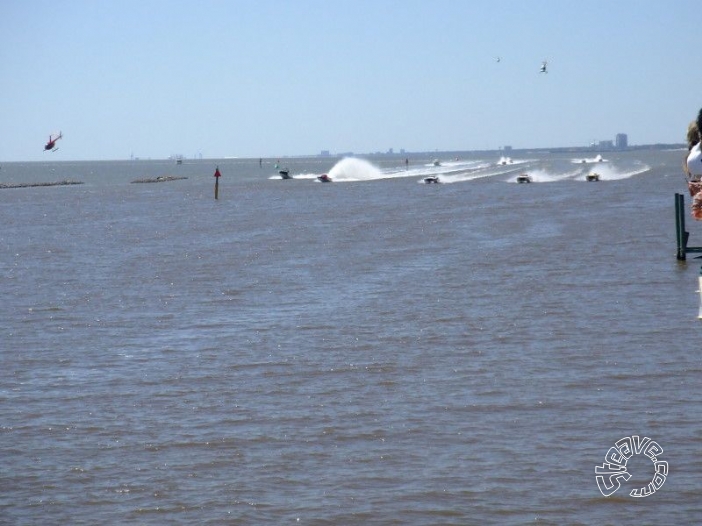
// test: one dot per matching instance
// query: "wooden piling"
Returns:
(680, 233)
(682, 236)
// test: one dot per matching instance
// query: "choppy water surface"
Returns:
(372, 351)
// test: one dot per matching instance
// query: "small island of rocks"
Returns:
(160, 179)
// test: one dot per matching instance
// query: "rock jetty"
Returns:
(32, 185)
(160, 179)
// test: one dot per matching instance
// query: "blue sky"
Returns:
(274, 78)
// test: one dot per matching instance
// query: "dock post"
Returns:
(681, 235)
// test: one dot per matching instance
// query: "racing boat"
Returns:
(432, 179)
(594, 176)
(285, 174)
(324, 178)
(524, 178)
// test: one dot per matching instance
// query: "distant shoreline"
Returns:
(524, 151)
(398, 154)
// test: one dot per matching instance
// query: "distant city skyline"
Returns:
(619, 143)
(268, 79)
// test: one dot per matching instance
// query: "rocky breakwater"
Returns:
(160, 179)
(32, 185)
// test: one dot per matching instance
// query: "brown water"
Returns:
(372, 351)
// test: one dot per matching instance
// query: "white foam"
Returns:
(354, 169)
(590, 160)
(544, 176)
(612, 173)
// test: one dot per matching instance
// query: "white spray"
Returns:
(352, 169)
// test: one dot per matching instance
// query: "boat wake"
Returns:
(294, 176)
(508, 161)
(460, 171)
(606, 172)
(354, 169)
(589, 160)
(479, 172)
(544, 176)
(612, 173)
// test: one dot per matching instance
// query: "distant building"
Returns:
(605, 145)
(325, 153)
(621, 141)
(391, 151)
(507, 148)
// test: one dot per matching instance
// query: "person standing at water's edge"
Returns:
(693, 166)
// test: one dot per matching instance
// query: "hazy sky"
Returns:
(273, 78)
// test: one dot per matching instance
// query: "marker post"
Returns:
(217, 175)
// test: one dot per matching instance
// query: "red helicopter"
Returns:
(51, 145)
